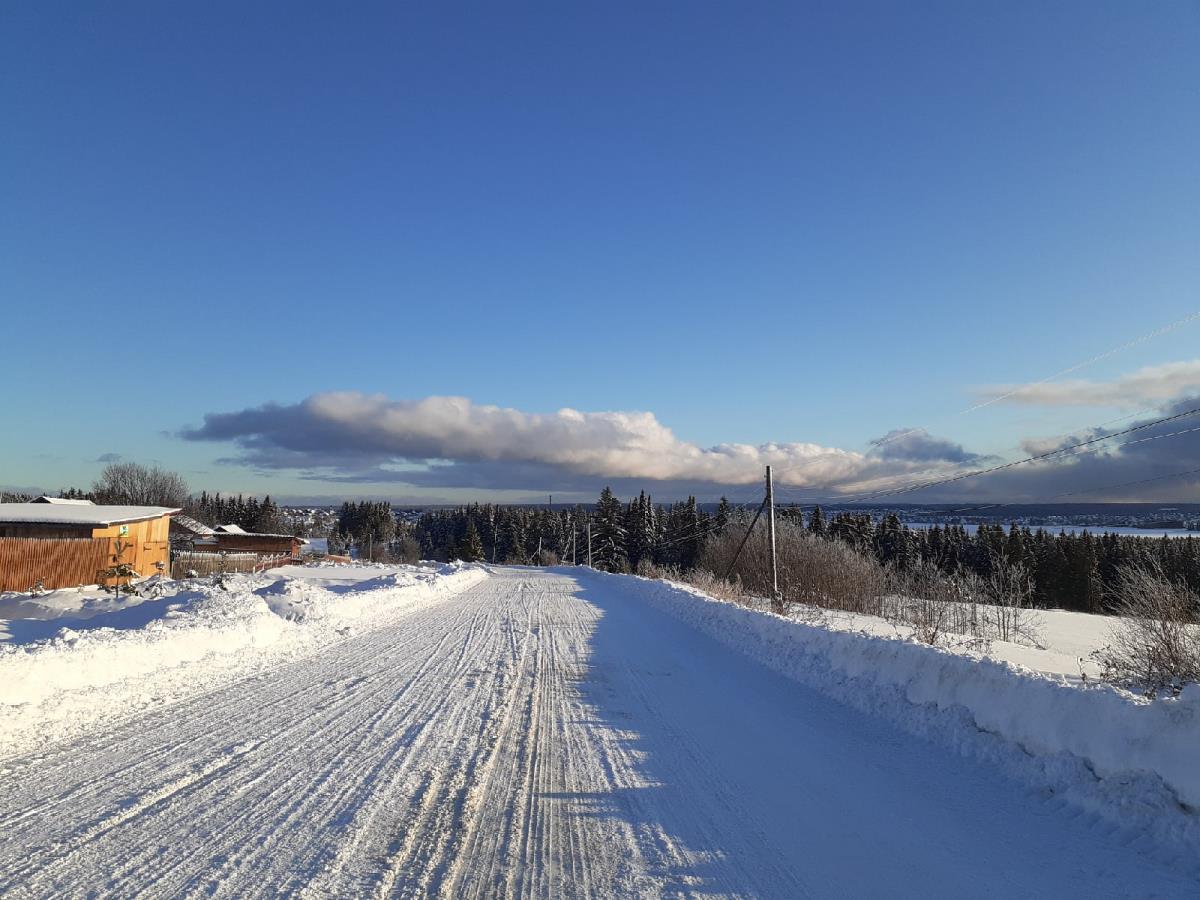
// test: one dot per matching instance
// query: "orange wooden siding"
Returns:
(56, 562)
(61, 561)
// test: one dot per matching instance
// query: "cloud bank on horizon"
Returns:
(451, 442)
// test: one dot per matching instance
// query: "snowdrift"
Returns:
(200, 637)
(1100, 746)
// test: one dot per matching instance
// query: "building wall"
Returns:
(143, 544)
(52, 562)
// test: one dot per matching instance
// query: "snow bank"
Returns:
(1108, 741)
(100, 668)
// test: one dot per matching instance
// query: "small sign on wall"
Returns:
(123, 531)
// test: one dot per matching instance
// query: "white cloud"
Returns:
(348, 431)
(1150, 386)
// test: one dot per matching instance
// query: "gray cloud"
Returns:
(1138, 466)
(919, 445)
(109, 458)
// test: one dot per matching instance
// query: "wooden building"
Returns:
(60, 544)
(235, 539)
(188, 534)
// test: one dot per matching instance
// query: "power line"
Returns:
(1110, 487)
(1158, 332)
(700, 529)
(1087, 362)
(742, 545)
(1074, 493)
(852, 498)
(1036, 458)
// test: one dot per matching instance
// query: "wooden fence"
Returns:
(191, 563)
(55, 562)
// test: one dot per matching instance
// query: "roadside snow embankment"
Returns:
(1102, 747)
(99, 669)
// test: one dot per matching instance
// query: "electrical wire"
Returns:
(1070, 448)
(1158, 332)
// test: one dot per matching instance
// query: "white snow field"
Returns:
(558, 733)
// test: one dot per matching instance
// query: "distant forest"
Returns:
(1071, 571)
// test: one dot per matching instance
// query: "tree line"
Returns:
(248, 513)
(624, 535)
(1075, 571)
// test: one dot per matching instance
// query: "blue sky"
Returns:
(795, 222)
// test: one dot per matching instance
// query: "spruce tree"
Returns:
(721, 522)
(471, 547)
(608, 534)
(816, 522)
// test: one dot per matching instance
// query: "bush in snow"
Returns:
(1155, 645)
(812, 571)
(702, 579)
(816, 573)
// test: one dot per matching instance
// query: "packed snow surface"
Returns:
(84, 659)
(549, 734)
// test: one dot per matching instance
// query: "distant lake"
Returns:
(1077, 529)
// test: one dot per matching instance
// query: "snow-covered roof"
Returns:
(238, 530)
(187, 523)
(63, 501)
(73, 514)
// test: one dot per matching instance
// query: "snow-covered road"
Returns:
(548, 735)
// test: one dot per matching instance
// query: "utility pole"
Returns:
(589, 529)
(776, 597)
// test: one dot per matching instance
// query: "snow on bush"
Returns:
(209, 633)
(1155, 644)
(1103, 747)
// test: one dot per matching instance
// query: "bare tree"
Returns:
(1000, 603)
(132, 484)
(1155, 644)
(407, 550)
(923, 598)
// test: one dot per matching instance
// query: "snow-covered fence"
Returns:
(54, 562)
(184, 562)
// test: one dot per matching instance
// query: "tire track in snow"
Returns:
(280, 749)
(536, 736)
